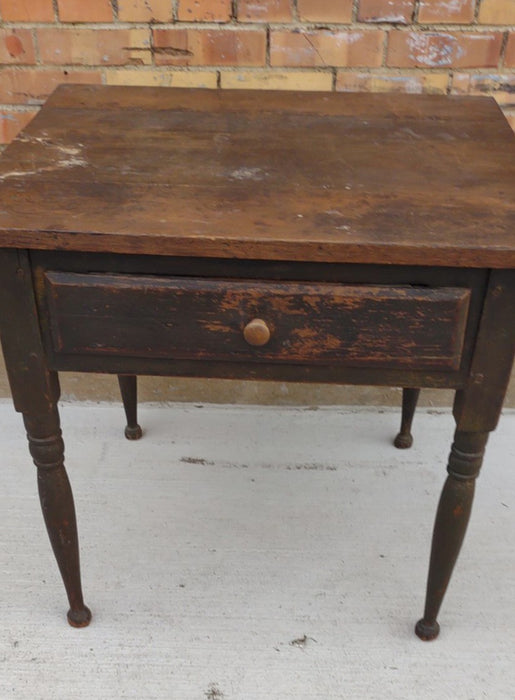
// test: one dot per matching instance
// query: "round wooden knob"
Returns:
(256, 332)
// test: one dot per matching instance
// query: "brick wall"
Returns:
(435, 46)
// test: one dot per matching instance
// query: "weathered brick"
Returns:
(85, 10)
(326, 48)
(460, 84)
(145, 10)
(265, 10)
(400, 11)
(34, 85)
(501, 86)
(17, 46)
(161, 78)
(205, 47)
(325, 10)
(351, 81)
(446, 11)
(204, 10)
(509, 58)
(28, 11)
(94, 46)
(444, 49)
(276, 80)
(11, 123)
(497, 12)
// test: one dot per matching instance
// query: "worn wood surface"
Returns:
(478, 406)
(403, 179)
(194, 318)
(33, 385)
(254, 272)
(422, 182)
(35, 390)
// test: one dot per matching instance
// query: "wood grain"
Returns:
(404, 179)
(194, 318)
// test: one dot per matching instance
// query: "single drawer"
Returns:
(290, 322)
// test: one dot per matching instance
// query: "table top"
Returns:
(330, 177)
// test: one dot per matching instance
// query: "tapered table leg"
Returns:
(404, 438)
(451, 523)
(35, 390)
(47, 449)
(129, 390)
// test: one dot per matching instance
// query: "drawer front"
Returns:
(290, 322)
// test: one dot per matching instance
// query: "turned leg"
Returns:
(129, 390)
(404, 438)
(451, 523)
(35, 391)
(47, 449)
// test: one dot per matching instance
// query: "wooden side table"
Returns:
(365, 239)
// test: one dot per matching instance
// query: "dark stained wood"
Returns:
(476, 409)
(251, 269)
(305, 237)
(478, 406)
(192, 318)
(30, 379)
(129, 390)
(35, 392)
(451, 522)
(404, 439)
(419, 107)
(404, 179)
(314, 373)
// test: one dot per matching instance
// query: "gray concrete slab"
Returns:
(243, 553)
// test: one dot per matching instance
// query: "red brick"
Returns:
(444, 49)
(204, 10)
(326, 48)
(27, 10)
(265, 10)
(497, 12)
(33, 85)
(325, 10)
(446, 11)
(107, 47)
(509, 58)
(17, 46)
(412, 82)
(209, 47)
(400, 11)
(501, 86)
(145, 10)
(85, 10)
(11, 123)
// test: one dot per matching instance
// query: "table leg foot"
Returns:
(404, 438)
(427, 631)
(403, 441)
(79, 618)
(129, 391)
(133, 432)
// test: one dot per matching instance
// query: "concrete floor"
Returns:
(243, 553)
